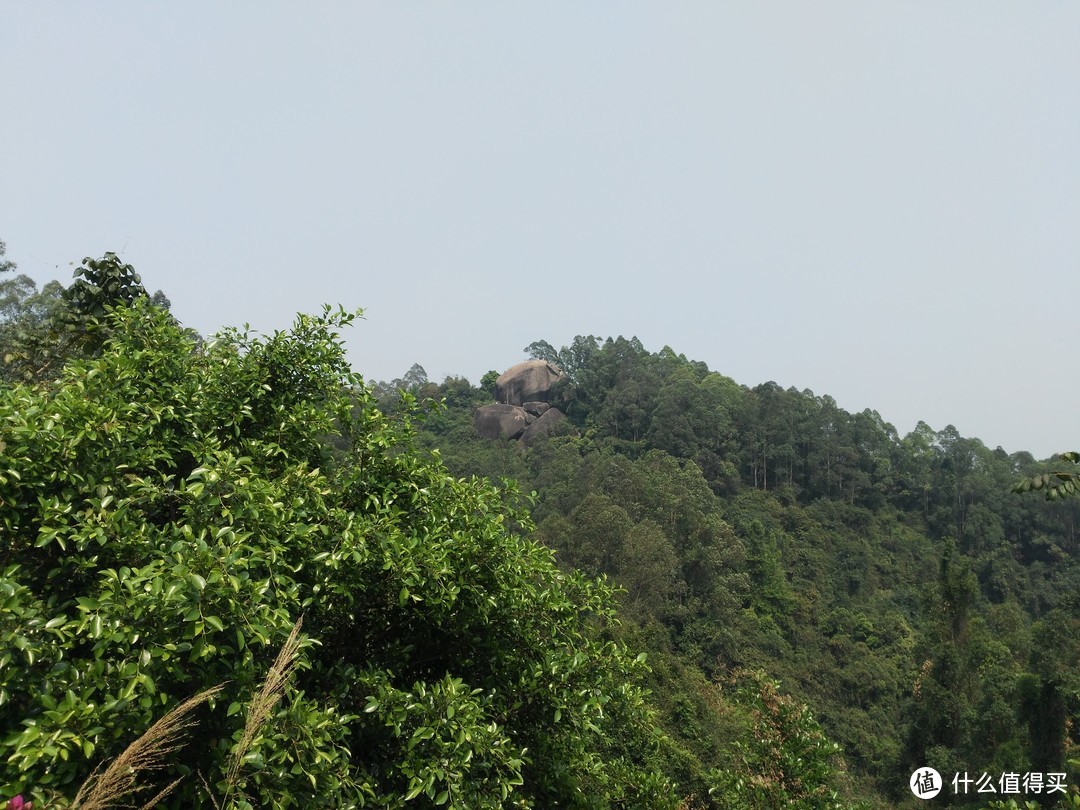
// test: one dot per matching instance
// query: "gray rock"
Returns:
(526, 382)
(536, 408)
(544, 425)
(501, 421)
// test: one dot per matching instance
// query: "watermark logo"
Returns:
(925, 783)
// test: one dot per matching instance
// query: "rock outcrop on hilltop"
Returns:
(523, 411)
(530, 381)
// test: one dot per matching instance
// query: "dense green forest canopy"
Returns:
(895, 584)
(713, 596)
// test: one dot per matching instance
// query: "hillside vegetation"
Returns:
(896, 585)
(234, 574)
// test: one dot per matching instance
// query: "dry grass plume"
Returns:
(263, 703)
(106, 788)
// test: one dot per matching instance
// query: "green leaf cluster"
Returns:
(1059, 483)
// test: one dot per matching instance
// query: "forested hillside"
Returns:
(896, 585)
(235, 574)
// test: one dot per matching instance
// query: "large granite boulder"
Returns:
(501, 421)
(536, 408)
(544, 425)
(527, 382)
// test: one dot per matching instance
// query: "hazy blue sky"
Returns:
(877, 201)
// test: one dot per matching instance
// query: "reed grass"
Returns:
(121, 779)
